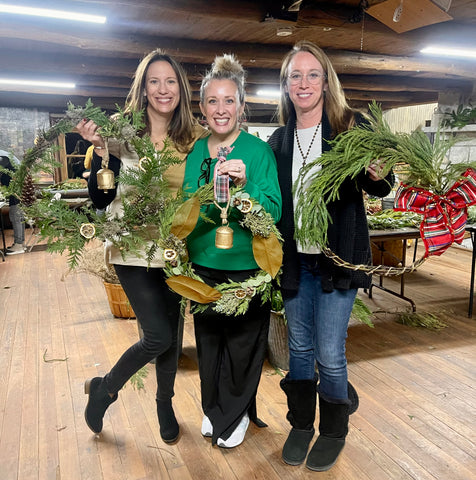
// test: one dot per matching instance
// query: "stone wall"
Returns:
(19, 127)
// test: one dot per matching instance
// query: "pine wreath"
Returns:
(439, 190)
(153, 219)
(230, 298)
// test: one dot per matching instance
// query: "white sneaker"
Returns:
(15, 249)
(207, 427)
(237, 436)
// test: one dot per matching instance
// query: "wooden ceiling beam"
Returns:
(203, 52)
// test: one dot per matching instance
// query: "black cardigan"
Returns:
(348, 235)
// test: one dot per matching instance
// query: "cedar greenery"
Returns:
(352, 152)
(153, 219)
(148, 201)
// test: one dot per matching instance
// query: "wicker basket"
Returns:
(278, 350)
(118, 301)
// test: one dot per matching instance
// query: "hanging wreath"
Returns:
(439, 190)
(154, 221)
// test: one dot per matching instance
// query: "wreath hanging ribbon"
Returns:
(444, 215)
(221, 182)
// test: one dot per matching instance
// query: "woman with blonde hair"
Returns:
(231, 350)
(318, 295)
(160, 89)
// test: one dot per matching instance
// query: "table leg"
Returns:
(471, 288)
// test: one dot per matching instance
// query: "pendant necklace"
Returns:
(304, 157)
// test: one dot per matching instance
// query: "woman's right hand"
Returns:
(89, 131)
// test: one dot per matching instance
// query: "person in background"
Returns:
(87, 161)
(15, 213)
(161, 89)
(231, 350)
(318, 295)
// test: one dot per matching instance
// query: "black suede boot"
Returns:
(301, 395)
(169, 428)
(353, 398)
(333, 428)
(99, 400)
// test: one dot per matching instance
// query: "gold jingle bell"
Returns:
(105, 178)
(224, 237)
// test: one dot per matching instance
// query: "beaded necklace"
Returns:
(304, 157)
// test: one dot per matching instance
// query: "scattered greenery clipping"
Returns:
(362, 313)
(137, 379)
(352, 153)
(425, 320)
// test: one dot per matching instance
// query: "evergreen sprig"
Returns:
(352, 153)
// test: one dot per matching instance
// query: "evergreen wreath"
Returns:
(423, 164)
(230, 298)
(154, 220)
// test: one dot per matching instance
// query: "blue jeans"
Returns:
(18, 223)
(317, 326)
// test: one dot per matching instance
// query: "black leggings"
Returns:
(158, 310)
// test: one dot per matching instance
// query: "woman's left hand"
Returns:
(236, 169)
(375, 171)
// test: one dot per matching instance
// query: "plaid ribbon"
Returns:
(444, 216)
(221, 183)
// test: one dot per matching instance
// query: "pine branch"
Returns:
(352, 152)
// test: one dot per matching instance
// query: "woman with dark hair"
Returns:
(318, 295)
(160, 89)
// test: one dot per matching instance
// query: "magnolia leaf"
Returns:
(186, 218)
(193, 289)
(268, 253)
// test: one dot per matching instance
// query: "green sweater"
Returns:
(262, 185)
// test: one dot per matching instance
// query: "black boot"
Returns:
(99, 400)
(169, 428)
(301, 396)
(353, 398)
(333, 428)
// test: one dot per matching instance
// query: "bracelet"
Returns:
(99, 148)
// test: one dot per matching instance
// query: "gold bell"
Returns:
(105, 177)
(224, 237)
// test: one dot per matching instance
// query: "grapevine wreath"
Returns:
(153, 219)
(432, 186)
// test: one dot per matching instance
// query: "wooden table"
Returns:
(378, 238)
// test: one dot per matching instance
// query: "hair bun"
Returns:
(227, 63)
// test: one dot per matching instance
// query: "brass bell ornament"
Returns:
(224, 237)
(105, 179)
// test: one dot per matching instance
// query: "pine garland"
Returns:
(352, 152)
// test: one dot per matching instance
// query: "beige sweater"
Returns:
(174, 175)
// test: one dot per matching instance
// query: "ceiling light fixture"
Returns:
(450, 51)
(284, 31)
(36, 83)
(46, 12)
(268, 93)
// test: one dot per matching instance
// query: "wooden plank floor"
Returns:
(417, 415)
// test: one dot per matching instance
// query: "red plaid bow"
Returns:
(444, 216)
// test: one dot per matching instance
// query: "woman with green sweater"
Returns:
(231, 350)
